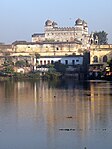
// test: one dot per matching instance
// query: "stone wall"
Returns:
(103, 53)
(100, 54)
(48, 49)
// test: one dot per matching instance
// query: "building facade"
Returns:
(100, 54)
(53, 33)
(47, 48)
(66, 60)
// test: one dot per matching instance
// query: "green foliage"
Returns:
(8, 69)
(8, 66)
(37, 55)
(21, 76)
(102, 37)
(8, 61)
(34, 75)
(52, 75)
(110, 63)
(60, 67)
(51, 68)
(20, 63)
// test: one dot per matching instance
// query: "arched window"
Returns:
(105, 58)
(48, 62)
(95, 59)
(73, 62)
(40, 62)
(52, 61)
(66, 62)
(44, 62)
(57, 48)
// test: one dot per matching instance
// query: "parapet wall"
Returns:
(50, 49)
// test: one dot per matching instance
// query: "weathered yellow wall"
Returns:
(48, 49)
(57, 49)
(100, 51)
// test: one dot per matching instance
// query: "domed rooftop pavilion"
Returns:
(78, 22)
(48, 23)
(84, 23)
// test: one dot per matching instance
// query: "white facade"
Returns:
(64, 34)
(67, 60)
(64, 60)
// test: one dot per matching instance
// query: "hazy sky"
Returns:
(19, 19)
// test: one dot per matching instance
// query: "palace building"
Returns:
(66, 45)
(53, 33)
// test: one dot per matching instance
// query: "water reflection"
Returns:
(49, 115)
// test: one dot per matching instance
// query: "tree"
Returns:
(60, 67)
(8, 69)
(8, 65)
(20, 63)
(102, 37)
(8, 61)
(110, 64)
(37, 55)
(51, 68)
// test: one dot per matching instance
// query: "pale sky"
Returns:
(19, 19)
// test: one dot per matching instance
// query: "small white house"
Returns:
(71, 60)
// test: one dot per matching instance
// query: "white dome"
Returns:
(78, 22)
(48, 23)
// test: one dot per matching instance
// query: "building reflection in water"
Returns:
(49, 107)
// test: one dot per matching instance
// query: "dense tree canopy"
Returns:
(60, 67)
(8, 65)
(102, 37)
(20, 63)
(110, 63)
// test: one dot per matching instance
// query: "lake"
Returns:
(66, 114)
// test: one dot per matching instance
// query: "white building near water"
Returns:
(67, 60)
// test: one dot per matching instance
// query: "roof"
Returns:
(78, 22)
(84, 23)
(54, 24)
(48, 23)
(4, 46)
(38, 34)
(62, 56)
(45, 42)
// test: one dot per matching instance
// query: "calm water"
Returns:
(50, 115)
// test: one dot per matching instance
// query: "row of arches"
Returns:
(104, 59)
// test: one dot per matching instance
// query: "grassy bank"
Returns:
(31, 76)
